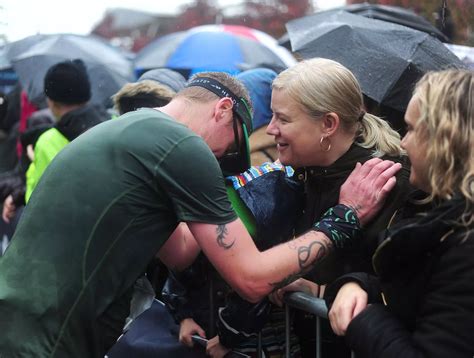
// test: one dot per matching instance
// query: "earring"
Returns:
(328, 147)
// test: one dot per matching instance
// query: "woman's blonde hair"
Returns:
(320, 86)
(446, 101)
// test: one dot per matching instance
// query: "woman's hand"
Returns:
(300, 285)
(215, 349)
(366, 189)
(187, 328)
(350, 301)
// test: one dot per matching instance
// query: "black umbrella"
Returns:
(388, 13)
(396, 15)
(13, 49)
(108, 68)
(386, 58)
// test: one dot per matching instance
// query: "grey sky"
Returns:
(21, 18)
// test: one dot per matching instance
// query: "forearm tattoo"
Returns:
(304, 259)
(222, 232)
(304, 254)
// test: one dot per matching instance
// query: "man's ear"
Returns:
(224, 109)
(331, 123)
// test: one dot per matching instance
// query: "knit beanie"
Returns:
(67, 82)
(174, 80)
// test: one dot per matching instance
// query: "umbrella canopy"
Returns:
(396, 15)
(387, 59)
(13, 49)
(108, 68)
(214, 48)
(388, 13)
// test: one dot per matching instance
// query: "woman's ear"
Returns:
(330, 123)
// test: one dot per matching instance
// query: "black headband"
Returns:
(240, 106)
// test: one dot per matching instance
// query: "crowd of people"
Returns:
(218, 194)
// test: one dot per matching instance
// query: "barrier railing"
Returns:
(293, 300)
(308, 303)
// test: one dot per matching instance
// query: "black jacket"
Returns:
(76, 122)
(425, 271)
(322, 185)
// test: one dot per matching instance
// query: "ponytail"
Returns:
(376, 132)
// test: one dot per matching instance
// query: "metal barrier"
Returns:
(308, 303)
(296, 300)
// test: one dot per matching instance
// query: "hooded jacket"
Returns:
(50, 143)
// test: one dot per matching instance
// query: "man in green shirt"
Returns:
(111, 200)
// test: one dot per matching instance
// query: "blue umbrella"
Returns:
(214, 48)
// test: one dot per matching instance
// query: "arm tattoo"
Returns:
(304, 262)
(304, 254)
(221, 232)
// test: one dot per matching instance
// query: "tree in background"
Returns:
(201, 12)
(455, 18)
(268, 16)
